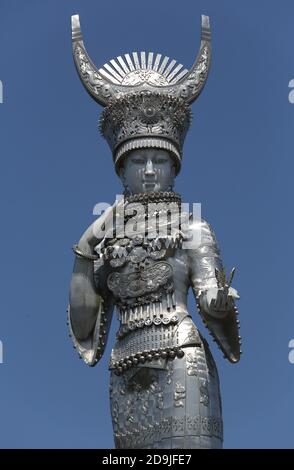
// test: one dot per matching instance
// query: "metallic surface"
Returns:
(176, 406)
(147, 104)
(164, 386)
(122, 76)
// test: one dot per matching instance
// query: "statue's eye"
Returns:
(160, 160)
(138, 160)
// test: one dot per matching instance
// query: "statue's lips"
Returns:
(149, 183)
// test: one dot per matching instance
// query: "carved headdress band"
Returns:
(146, 96)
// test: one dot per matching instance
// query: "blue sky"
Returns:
(238, 162)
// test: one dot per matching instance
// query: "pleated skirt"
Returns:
(175, 406)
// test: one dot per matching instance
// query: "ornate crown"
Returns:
(146, 96)
(145, 119)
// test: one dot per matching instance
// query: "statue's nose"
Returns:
(149, 169)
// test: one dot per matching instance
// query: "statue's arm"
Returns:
(84, 298)
(90, 308)
(215, 300)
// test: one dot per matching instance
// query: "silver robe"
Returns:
(164, 385)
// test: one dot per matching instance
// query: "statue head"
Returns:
(146, 100)
(147, 170)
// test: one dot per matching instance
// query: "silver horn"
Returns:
(191, 85)
(96, 85)
(121, 77)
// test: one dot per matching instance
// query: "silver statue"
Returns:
(164, 386)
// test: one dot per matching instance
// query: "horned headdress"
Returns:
(146, 96)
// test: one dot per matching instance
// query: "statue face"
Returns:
(146, 170)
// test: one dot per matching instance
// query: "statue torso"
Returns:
(149, 281)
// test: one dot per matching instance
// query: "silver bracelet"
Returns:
(80, 254)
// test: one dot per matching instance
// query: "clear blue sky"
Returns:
(238, 163)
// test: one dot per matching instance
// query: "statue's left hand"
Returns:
(218, 301)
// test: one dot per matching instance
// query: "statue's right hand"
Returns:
(102, 227)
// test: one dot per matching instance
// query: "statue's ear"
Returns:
(121, 173)
(173, 167)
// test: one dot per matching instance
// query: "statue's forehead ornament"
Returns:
(154, 88)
